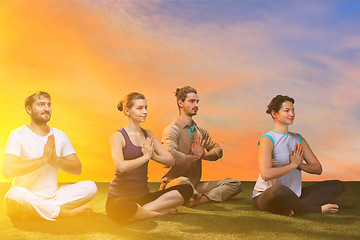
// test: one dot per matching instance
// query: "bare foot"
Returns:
(168, 211)
(173, 211)
(84, 210)
(143, 213)
(329, 208)
(193, 203)
(289, 213)
(190, 203)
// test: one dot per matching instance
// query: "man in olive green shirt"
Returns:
(187, 142)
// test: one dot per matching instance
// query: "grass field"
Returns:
(236, 219)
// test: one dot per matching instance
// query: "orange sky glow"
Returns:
(89, 57)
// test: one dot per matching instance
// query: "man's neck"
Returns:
(41, 130)
(185, 118)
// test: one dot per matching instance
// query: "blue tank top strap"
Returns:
(268, 136)
(300, 137)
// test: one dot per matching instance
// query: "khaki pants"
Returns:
(217, 191)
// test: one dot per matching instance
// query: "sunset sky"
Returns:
(238, 54)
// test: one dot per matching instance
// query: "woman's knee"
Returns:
(183, 180)
(120, 209)
(186, 191)
(280, 191)
(338, 186)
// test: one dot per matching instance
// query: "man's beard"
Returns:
(40, 121)
(190, 114)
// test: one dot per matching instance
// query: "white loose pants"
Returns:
(20, 200)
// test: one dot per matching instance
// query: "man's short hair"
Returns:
(31, 99)
(181, 93)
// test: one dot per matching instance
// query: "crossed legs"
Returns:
(68, 200)
(208, 191)
(316, 198)
(152, 205)
(163, 205)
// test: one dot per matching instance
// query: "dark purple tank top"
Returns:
(131, 184)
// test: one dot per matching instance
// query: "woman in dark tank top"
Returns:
(132, 147)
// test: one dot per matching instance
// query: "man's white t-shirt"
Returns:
(28, 145)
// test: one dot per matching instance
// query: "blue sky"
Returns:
(238, 54)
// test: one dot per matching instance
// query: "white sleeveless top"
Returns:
(283, 144)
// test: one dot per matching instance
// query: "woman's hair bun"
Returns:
(120, 106)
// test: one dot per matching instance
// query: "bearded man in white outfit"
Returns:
(33, 156)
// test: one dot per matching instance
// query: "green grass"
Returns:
(236, 219)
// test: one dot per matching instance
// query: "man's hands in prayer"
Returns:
(49, 149)
(197, 147)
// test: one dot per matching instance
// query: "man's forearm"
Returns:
(69, 164)
(212, 155)
(15, 167)
(191, 158)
